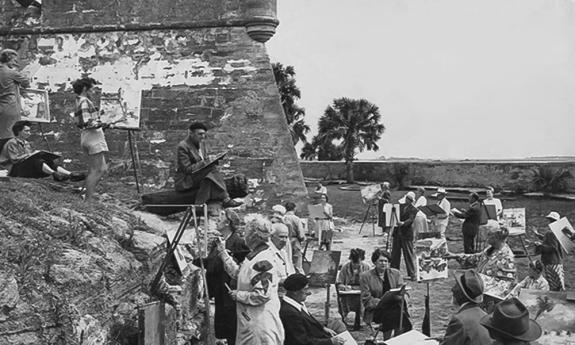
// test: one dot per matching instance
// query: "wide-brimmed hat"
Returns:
(441, 191)
(410, 195)
(511, 320)
(471, 284)
(553, 216)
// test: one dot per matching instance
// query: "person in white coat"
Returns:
(442, 220)
(420, 222)
(256, 297)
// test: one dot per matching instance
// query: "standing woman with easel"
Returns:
(10, 81)
(92, 137)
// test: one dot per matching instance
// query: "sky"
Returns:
(454, 79)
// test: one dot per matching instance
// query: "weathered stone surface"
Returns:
(76, 267)
(170, 76)
(116, 259)
(9, 295)
(150, 243)
(120, 227)
(90, 331)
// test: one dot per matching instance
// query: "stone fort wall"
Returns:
(175, 62)
(509, 175)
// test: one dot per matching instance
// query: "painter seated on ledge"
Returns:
(196, 171)
(20, 160)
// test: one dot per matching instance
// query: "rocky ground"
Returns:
(71, 272)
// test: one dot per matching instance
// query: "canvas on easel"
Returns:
(551, 309)
(391, 214)
(118, 108)
(316, 212)
(430, 259)
(323, 269)
(514, 220)
(35, 105)
(370, 192)
(565, 242)
(431, 210)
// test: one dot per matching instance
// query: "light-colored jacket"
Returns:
(258, 303)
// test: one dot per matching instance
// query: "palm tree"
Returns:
(322, 151)
(289, 93)
(355, 125)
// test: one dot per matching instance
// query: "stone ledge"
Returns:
(127, 27)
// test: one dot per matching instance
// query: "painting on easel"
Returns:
(116, 110)
(323, 270)
(35, 105)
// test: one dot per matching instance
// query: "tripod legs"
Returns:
(365, 216)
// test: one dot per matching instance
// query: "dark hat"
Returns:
(295, 282)
(471, 284)
(197, 125)
(510, 319)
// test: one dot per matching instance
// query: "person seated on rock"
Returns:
(194, 170)
(301, 328)
(18, 158)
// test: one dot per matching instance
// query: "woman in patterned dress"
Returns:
(497, 261)
(551, 256)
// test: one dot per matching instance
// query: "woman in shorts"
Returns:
(92, 137)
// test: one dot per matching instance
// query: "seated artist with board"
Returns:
(195, 171)
(21, 160)
(301, 328)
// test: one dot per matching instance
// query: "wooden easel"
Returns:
(369, 214)
(394, 222)
(136, 167)
(188, 216)
(44, 136)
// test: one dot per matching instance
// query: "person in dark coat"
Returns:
(464, 327)
(301, 328)
(195, 170)
(381, 308)
(470, 225)
(225, 322)
(403, 237)
(10, 82)
(385, 198)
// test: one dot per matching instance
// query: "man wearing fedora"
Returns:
(301, 328)
(509, 324)
(464, 327)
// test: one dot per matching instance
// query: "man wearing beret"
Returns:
(301, 328)
(464, 327)
(195, 171)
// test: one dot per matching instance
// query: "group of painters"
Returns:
(17, 156)
(257, 279)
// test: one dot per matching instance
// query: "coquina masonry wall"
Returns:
(176, 61)
(510, 175)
